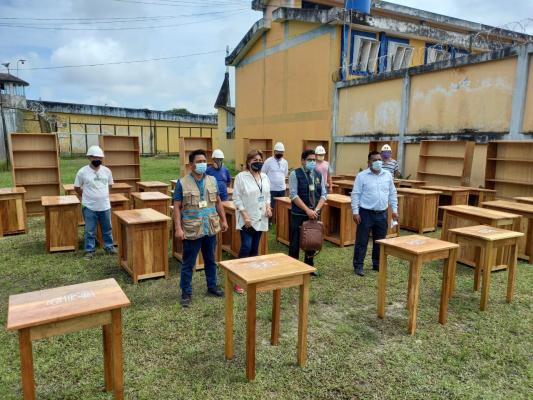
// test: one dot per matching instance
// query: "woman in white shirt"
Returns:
(251, 195)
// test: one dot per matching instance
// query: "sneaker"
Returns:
(185, 300)
(215, 291)
(359, 272)
(88, 256)
(111, 251)
(238, 289)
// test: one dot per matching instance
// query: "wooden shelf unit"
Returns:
(264, 145)
(35, 159)
(507, 169)
(188, 145)
(312, 144)
(445, 162)
(122, 157)
(376, 145)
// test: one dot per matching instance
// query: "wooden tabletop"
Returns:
(480, 212)
(523, 209)
(486, 232)
(150, 196)
(524, 199)
(117, 198)
(141, 216)
(174, 180)
(121, 186)
(48, 201)
(414, 181)
(53, 305)
(344, 182)
(284, 199)
(68, 187)
(445, 188)
(12, 190)
(153, 184)
(338, 198)
(266, 268)
(416, 191)
(418, 244)
(477, 189)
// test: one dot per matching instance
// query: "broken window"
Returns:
(399, 56)
(365, 55)
(436, 54)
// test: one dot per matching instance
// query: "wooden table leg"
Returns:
(382, 281)
(276, 309)
(413, 296)
(444, 228)
(26, 365)
(487, 269)
(511, 271)
(446, 281)
(108, 356)
(251, 293)
(529, 240)
(480, 256)
(229, 318)
(453, 267)
(116, 333)
(302, 321)
(409, 286)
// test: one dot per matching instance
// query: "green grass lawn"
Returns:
(171, 353)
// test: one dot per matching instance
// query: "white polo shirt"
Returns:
(95, 186)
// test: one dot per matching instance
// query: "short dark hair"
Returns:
(373, 153)
(307, 153)
(195, 153)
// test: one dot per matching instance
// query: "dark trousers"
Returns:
(273, 195)
(250, 239)
(191, 248)
(294, 238)
(377, 222)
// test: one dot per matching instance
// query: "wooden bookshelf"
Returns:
(509, 168)
(188, 145)
(264, 145)
(312, 144)
(376, 145)
(35, 160)
(445, 162)
(123, 157)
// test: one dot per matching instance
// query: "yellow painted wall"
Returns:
(351, 157)
(419, 51)
(373, 108)
(477, 97)
(528, 115)
(275, 34)
(296, 28)
(220, 140)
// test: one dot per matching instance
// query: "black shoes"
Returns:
(215, 291)
(375, 269)
(359, 272)
(185, 300)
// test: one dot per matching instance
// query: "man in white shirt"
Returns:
(277, 170)
(373, 192)
(92, 185)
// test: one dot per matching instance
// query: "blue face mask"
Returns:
(310, 165)
(377, 165)
(201, 168)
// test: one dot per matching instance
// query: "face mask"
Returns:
(200, 168)
(218, 163)
(279, 156)
(377, 165)
(310, 165)
(386, 154)
(320, 158)
(96, 163)
(256, 166)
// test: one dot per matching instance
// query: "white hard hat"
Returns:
(320, 150)
(218, 154)
(95, 151)
(386, 147)
(279, 147)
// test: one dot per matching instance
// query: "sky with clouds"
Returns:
(44, 33)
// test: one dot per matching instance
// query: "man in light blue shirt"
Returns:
(373, 192)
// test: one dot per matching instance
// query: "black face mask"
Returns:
(279, 156)
(96, 163)
(256, 166)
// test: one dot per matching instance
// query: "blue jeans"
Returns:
(92, 218)
(191, 248)
(250, 240)
(377, 222)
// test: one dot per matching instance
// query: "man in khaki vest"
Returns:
(198, 214)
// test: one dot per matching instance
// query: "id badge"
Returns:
(261, 199)
(312, 187)
(202, 204)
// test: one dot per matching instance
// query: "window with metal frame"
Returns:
(399, 56)
(365, 55)
(436, 54)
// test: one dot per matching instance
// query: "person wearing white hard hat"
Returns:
(92, 184)
(277, 170)
(322, 166)
(389, 164)
(221, 174)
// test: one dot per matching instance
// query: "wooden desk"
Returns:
(524, 200)
(231, 239)
(449, 196)
(262, 274)
(487, 240)
(51, 312)
(154, 200)
(417, 250)
(13, 216)
(419, 209)
(409, 183)
(143, 245)
(339, 227)
(70, 191)
(173, 183)
(477, 196)
(463, 215)
(61, 222)
(118, 202)
(525, 244)
(121, 188)
(344, 187)
(283, 219)
(152, 186)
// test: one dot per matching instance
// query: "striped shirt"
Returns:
(391, 165)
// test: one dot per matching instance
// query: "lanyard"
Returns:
(201, 186)
(311, 195)
(255, 180)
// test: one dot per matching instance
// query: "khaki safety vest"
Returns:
(195, 221)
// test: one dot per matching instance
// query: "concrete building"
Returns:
(330, 71)
(225, 136)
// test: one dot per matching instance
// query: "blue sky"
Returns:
(193, 82)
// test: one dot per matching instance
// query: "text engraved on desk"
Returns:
(416, 242)
(70, 297)
(263, 264)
